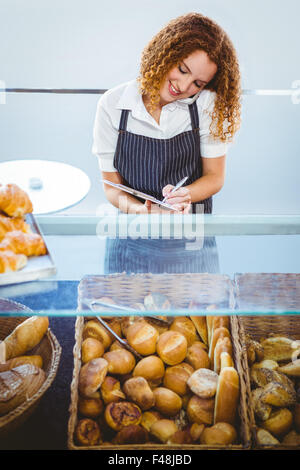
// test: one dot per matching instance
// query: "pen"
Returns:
(178, 185)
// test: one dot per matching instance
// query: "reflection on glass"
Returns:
(161, 256)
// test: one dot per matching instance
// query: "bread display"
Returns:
(274, 366)
(17, 240)
(172, 393)
(21, 376)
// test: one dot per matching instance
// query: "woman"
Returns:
(175, 120)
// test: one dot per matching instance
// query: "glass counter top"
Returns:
(228, 246)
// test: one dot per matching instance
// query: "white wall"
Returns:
(96, 44)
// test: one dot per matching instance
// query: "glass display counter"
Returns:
(84, 247)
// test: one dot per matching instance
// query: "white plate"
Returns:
(52, 186)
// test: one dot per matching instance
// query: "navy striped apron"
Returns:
(148, 164)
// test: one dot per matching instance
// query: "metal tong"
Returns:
(91, 303)
(160, 321)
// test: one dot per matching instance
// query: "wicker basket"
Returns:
(179, 289)
(259, 327)
(50, 351)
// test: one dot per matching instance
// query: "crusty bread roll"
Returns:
(163, 429)
(151, 368)
(197, 356)
(142, 337)
(219, 434)
(119, 361)
(200, 410)
(227, 396)
(121, 414)
(176, 378)
(280, 348)
(186, 327)
(279, 423)
(111, 390)
(172, 347)
(138, 390)
(91, 376)
(91, 348)
(265, 438)
(167, 402)
(203, 382)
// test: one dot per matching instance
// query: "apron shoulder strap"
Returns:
(193, 108)
(123, 120)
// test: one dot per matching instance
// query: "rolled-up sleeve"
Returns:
(210, 146)
(105, 137)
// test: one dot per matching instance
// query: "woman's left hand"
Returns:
(180, 199)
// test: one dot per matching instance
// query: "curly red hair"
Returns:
(176, 41)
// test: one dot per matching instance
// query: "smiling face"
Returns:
(190, 76)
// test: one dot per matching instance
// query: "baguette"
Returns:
(25, 336)
(227, 396)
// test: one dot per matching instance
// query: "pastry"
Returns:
(87, 433)
(29, 244)
(14, 201)
(121, 414)
(9, 261)
(9, 224)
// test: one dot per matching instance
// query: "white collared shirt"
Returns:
(174, 119)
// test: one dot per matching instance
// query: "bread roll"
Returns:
(279, 348)
(176, 378)
(90, 407)
(120, 361)
(111, 390)
(292, 369)
(138, 390)
(132, 434)
(142, 337)
(150, 417)
(203, 382)
(91, 376)
(197, 356)
(167, 402)
(227, 396)
(163, 429)
(26, 336)
(94, 329)
(91, 348)
(265, 438)
(200, 410)
(172, 347)
(279, 423)
(151, 368)
(186, 327)
(262, 410)
(297, 417)
(219, 434)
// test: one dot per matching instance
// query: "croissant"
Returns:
(29, 244)
(9, 261)
(8, 224)
(14, 201)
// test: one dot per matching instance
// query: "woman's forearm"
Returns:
(205, 187)
(125, 202)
